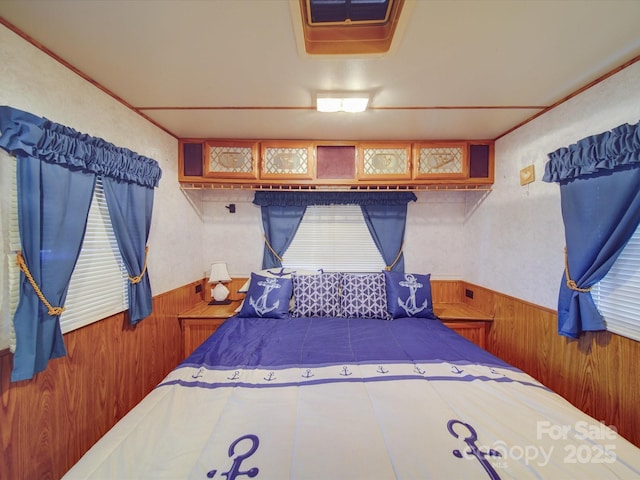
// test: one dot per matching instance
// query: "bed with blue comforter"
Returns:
(353, 398)
(351, 376)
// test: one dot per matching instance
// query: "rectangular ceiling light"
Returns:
(342, 102)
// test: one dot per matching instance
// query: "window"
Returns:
(98, 286)
(334, 238)
(348, 26)
(616, 295)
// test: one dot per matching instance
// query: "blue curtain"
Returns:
(51, 234)
(57, 167)
(130, 208)
(280, 225)
(599, 179)
(386, 224)
(385, 214)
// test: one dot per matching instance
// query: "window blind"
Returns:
(616, 295)
(334, 238)
(98, 286)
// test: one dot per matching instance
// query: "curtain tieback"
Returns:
(389, 267)
(137, 278)
(51, 310)
(571, 283)
(266, 242)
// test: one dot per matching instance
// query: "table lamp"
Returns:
(219, 293)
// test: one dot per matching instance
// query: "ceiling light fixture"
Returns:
(342, 102)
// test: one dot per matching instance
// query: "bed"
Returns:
(362, 396)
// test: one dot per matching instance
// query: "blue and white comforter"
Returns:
(335, 398)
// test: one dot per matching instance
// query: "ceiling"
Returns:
(238, 69)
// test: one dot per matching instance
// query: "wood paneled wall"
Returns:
(49, 422)
(596, 373)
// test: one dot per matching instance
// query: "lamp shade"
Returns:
(219, 272)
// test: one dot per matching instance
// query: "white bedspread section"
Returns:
(348, 422)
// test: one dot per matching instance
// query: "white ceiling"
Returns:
(236, 68)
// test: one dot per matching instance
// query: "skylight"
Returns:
(349, 26)
(341, 11)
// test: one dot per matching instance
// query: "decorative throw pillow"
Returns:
(268, 297)
(316, 295)
(363, 295)
(409, 295)
(276, 272)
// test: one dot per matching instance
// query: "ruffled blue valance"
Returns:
(25, 134)
(304, 199)
(618, 147)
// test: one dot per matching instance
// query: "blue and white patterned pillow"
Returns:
(268, 297)
(316, 295)
(363, 295)
(409, 295)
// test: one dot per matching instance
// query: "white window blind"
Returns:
(617, 294)
(334, 238)
(98, 286)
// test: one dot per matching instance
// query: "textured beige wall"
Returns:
(33, 81)
(515, 240)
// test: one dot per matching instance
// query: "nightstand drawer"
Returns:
(476, 330)
(467, 321)
(200, 321)
(197, 330)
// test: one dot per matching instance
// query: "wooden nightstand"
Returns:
(467, 321)
(200, 321)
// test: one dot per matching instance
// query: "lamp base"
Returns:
(220, 302)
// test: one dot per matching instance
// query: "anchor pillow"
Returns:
(267, 297)
(409, 295)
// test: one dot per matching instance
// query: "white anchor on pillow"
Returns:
(260, 305)
(410, 306)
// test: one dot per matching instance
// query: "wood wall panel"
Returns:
(596, 373)
(47, 423)
(446, 291)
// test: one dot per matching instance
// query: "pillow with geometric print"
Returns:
(409, 295)
(362, 295)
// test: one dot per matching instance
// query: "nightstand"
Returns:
(465, 320)
(200, 321)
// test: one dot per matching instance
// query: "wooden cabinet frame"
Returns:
(235, 159)
(397, 152)
(269, 153)
(444, 154)
(294, 164)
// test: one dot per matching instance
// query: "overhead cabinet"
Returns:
(226, 160)
(310, 164)
(384, 162)
(287, 161)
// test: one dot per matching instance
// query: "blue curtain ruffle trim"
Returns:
(619, 147)
(302, 199)
(22, 133)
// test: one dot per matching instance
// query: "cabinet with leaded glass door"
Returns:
(384, 161)
(442, 161)
(287, 160)
(229, 159)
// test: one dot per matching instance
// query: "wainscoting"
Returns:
(49, 422)
(596, 373)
